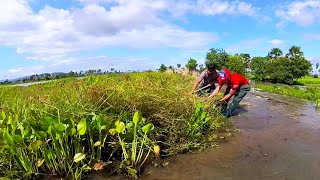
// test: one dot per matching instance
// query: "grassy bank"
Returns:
(309, 91)
(118, 123)
(309, 81)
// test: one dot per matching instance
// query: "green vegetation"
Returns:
(192, 64)
(57, 75)
(70, 127)
(309, 93)
(162, 68)
(309, 81)
(235, 63)
(278, 69)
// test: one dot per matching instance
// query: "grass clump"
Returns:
(69, 127)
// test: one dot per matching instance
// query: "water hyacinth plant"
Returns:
(71, 127)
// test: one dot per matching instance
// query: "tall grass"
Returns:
(309, 80)
(72, 126)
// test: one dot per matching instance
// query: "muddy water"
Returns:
(279, 138)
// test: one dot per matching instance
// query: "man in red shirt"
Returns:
(237, 85)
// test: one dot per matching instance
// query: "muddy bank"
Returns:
(279, 138)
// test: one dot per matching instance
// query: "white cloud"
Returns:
(303, 12)
(276, 42)
(56, 34)
(215, 7)
(16, 70)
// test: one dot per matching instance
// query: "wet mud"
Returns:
(278, 139)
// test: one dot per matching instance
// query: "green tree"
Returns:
(162, 68)
(247, 59)
(179, 66)
(275, 53)
(287, 70)
(295, 51)
(260, 66)
(192, 64)
(201, 67)
(219, 57)
(280, 71)
(236, 64)
(299, 67)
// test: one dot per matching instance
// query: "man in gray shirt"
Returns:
(207, 78)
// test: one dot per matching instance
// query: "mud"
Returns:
(279, 139)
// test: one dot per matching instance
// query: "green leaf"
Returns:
(79, 157)
(27, 132)
(97, 122)
(40, 162)
(49, 131)
(130, 125)
(35, 145)
(198, 134)
(137, 117)
(3, 115)
(73, 131)
(82, 127)
(98, 143)
(120, 126)
(9, 120)
(203, 115)
(86, 167)
(60, 127)
(7, 138)
(113, 132)
(148, 128)
(48, 121)
(58, 136)
(17, 138)
(40, 134)
(200, 105)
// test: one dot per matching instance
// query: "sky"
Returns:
(38, 36)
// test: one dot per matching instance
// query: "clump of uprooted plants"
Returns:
(70, 127)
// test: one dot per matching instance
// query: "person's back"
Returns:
(237, 80)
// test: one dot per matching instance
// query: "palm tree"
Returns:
(274, 53)
(294, 51)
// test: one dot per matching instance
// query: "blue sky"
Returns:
(38, 36)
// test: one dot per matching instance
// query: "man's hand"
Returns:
(218, 103)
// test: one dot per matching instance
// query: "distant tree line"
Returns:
(58, 75)
(274, 67)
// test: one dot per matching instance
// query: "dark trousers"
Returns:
(209, 89)
(238, 96)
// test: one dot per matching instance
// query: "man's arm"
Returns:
(197, 82)
(215, 92)
(228, 96)
(195, 85)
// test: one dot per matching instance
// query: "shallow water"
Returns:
(279, 139)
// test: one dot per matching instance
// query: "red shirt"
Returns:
(236, 81)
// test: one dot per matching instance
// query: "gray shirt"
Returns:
(207, 79)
